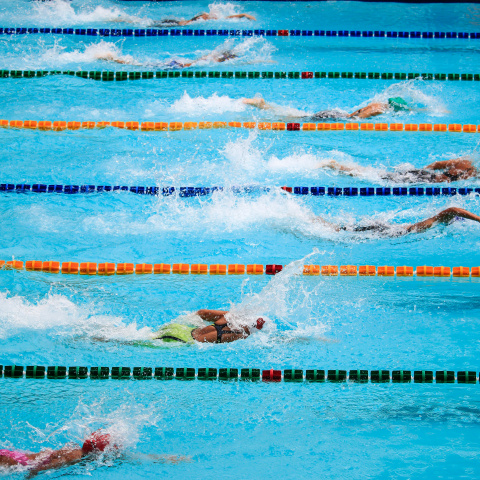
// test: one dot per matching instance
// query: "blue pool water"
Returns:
(238, 429)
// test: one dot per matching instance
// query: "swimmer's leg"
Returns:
(445, 216)
(322, 221)
(351, 171)
(256, 102)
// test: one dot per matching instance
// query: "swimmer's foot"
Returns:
(255, 102)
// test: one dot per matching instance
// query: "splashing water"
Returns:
(62, 11)
(212, 104)
(412, 92)
(102, 50)
(57, 316)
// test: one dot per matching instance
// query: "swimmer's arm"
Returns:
(58, 459)
(243, 15)
(456, 162)
(211, 315)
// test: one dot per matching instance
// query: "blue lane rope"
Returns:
(153, 32)
(202, 191)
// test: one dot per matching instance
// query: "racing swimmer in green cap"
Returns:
(395, 104)
(219, 332)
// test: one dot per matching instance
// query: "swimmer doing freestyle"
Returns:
(394, 104)
(437, 172)
(217, 57)
(219, 332)
(444, 217)
(172, 22)
(98, 442)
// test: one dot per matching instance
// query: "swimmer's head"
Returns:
(398, 104)
(260, 323)
(97, 442)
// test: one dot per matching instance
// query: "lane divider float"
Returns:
(109, 76)
(251, 374)
(92, 268)
(61, 125)
(187, 32)
(203, 191)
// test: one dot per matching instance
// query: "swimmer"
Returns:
(217, 57)
(444, 217)
(394, 104)
(48, 459)
(436, 172)
(171, 22)
(219, 332)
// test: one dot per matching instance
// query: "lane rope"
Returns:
(92, 268)
(122, 76)
(187, 32)
(252, 374)
(61, 125)
(187, 192)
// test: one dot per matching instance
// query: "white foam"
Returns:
(62, 12)
(212, 104)
(102, 50)
(60, 317)
(415, 93)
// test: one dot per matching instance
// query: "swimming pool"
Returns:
(238, 429)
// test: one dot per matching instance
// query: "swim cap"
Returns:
(260, 323)
(398, 104)
(97, 442)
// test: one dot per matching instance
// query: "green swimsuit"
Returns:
(175, 332)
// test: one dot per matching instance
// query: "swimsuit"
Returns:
(220, 332)
(329, 115)
(168, 22)
(411, 176)
(176, 332)
(16, 455)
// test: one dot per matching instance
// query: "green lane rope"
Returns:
(121, 76)
(252, 374)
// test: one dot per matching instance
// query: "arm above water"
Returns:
(243, 15)
(371, 110)
(460, 163)
(211, 315)
(445, 216)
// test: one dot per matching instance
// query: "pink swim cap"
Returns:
(97, 442)
(260, 323)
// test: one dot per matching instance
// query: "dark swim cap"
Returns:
(260, 323)
(398, 104)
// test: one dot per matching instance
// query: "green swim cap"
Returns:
(398, 104)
